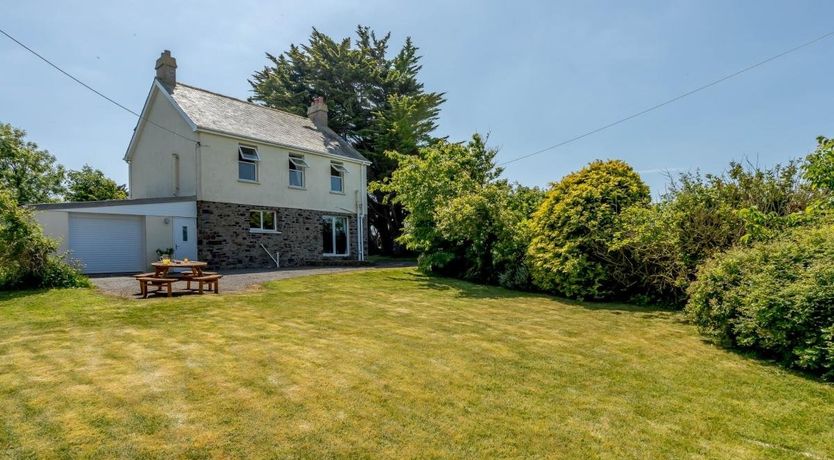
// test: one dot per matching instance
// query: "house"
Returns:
(219, 179)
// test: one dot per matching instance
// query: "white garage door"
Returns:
(106, 243)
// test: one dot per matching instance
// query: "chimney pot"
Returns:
(166, 69)
(318, 112)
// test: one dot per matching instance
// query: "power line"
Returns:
(669, 101)
(108, 99)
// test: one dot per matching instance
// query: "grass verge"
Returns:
(385, 363)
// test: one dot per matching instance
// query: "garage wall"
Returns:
(155, 232)
(158, 235)
(55, 225)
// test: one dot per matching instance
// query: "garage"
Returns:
(118, 236)
(107, 243)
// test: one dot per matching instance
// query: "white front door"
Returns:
(185, 238)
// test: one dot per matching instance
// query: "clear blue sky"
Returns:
(529, 73)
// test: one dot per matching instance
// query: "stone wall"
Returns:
(224, 239)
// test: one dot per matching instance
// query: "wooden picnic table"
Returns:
(161, 269)
(161, 278)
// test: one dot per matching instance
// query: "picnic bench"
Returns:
(211, 281)
(146, 281)
(162, 277)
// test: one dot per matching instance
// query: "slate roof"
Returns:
(216, 112)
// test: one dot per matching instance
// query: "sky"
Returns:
(528, 74)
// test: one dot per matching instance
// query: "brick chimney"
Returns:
(318, 112)
(166, 69)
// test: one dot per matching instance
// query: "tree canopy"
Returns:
(375, 101)
(462, 218)
(88, 184)
(29, 174)
(819, 165)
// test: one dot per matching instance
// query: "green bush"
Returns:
(28, 259)
(775, 298)
(572, 232)
(715, 212)
(462, 219)
(510, 254)
(818, 168)
(702, 215)
(648, 240)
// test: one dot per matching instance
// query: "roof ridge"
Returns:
(245, 102)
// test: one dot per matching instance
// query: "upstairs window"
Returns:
(262, 221)
(337, 177)
(297, 167)
(247, 163)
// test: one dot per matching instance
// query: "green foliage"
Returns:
(648, 240)
(818, 172)
(27, 257)
(719, 210)
(570, 252)
(511, 251)
(775, 298)
(30, 174)
(700, 216)
(90, 184)
(462, 220)
(818, 169)
(376, 102)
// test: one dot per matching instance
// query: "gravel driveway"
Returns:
(233, 280)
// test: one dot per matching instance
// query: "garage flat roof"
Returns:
(95, 204)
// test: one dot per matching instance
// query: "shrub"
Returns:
(462, 219)
(648, 240)
(510, 254)
(27, 257)
(572, 231)
(818, 169)
(714, 212)
(701, 216)
(775, 298)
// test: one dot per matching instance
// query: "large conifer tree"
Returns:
(375, 101)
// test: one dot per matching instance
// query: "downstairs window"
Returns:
(261, 221)
(335, 235)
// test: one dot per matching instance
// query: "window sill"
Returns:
(296, 187)
(245, 181)
(333, 192)
(256, 230)
(336, 255)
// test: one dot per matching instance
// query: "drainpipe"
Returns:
(360, 240)
(198, 168)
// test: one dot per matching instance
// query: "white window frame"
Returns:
(333, 235)
(301, 165)
(261, 229)
(252, 158)
(342, 171)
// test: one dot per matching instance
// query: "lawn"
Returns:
(386, 363)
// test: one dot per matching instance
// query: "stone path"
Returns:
(233, 280)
